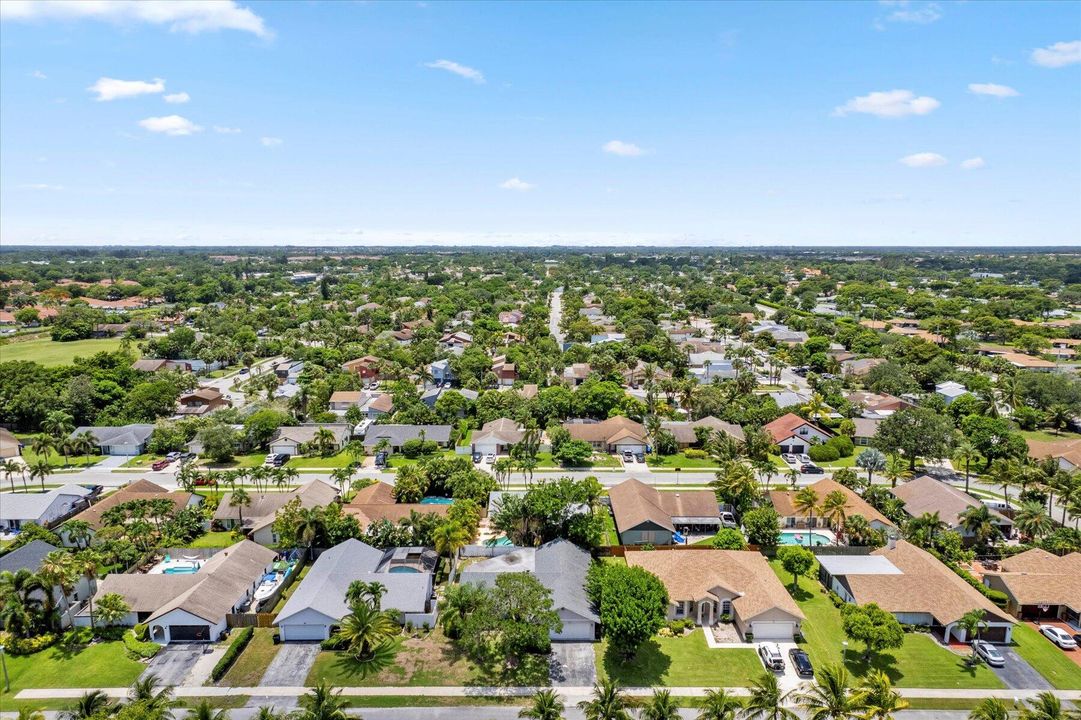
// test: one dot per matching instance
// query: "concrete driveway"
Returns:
(291, 665)
(1018, 674)
(174, 662)
(572, 665)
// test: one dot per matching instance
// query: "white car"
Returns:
(1059, 637)
(804, 458)
(789, 458)
(771, 656)
(489, 458)
(988, 652)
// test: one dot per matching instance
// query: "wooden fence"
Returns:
(243, 620)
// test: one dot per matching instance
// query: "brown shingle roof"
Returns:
(1037, 577)
(784, 501)
(138, 490)
(606, 430)
(927, 495)
(635, 503)
(376, 502)
(264, 506)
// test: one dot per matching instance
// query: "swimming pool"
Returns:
(437, 501)
(403, 569)
(799, 537)
(501, 541)
(176, 566)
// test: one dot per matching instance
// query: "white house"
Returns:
(950, 390)
(17, 509)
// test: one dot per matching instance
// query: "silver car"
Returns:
(1058, 636)
(988, 652)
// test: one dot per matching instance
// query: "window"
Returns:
(680, 610)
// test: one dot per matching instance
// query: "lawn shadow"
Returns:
(800, 594)
(648, 667)
(860, 667)
(348, 667)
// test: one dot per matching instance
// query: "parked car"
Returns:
(1058, 636)
(277, 459)
(173, 456)
(728, 520)
(640, 457)
(988, 652)
(489, 458)
(188, 457)
(381, 459)
(804, 458)
(628, 456)
(771, 656)
(477, 458)
(160, 465)
(789, 458)
(801, 662)
(811, 469)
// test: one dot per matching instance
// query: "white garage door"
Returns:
(303, 632)
(576, 630)
(772, 631)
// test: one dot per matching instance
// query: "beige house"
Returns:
(616, 434)
(257, 519)
(645, 515)
(705, 585)
(10, 446)
(1040, 585)
(784, 502)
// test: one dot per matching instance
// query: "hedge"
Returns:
(26, 646)
(235, 648)
(823, 453)
(140, 648)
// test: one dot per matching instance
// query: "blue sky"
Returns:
(541, 123)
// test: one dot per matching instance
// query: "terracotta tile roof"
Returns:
(785, 426)
(784, 501)
(695, 574)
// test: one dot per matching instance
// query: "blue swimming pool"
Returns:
(179, 570)
(437, 501)
(799, 537)
(403, 569)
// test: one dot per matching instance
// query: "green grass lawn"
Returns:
(920, 662)
(214, 540)
(844, 462)
(248, 669)
(338, 460)
(249, 460)
(142, 461)
(611, 536)
(56, 460)
(430, 660)
(681, 661)
(103, 664)
(289, 590)
(545, 461)
(48, 353)
(1049, 661)
(681, 461)
(1049, 436)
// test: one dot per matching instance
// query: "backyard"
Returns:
(680, 662)
(920, 662)
(51, 354)
(102, 664)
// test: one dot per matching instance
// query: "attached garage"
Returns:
(575, 628)
(189, 633)
(296, 632)
(766, 630)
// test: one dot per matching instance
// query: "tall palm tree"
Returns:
(9, 468)
(896, 469)
(990, 709)
(834, 509)
(322, 703)
(57, 570)
(872, 460)
(806, 501)
(1045, 706)
(42, 444)
(925, 527)
(831, 697)
(881, 700)
(718, 705)
(91, 704)
(448, 538)
(545, 705)
(973, 622)
(87, 563)
(323, 440)
(976, 520)
(41, 469)
(240, 499)
(607, 703)
(964, 453)
(311, 526)
(767, 701)
(1032, 520)
(1005, 472)
(84, 444)
(660, 706)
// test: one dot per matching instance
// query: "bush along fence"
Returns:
(235, 648)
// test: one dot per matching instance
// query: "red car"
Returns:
(160, 465)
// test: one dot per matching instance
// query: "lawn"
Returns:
(289, 590)
(681, 662)
(103, 664)
(681, 461)
(611, 536)
(339, 460)
(1048, 436)
(1049, 661)
(545, 461)
(49, 353)
(239, 461)
(248, 669)
(56, 460)
(214, 540)
(920, 662)
(430, 660)
(142, 461)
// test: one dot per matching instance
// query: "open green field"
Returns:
(49, 353)
(1049, 661)
(920, 662)
(56, 460)
(103, 664)
(338, 460)
(681, 662)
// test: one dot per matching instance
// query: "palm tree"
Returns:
(322, 703)
(897, 469)
(1045, 707)
(323, 440)
(608, 703)
(806, 501)
(964, 453)
(57, 570)
(148, 690)
(872, 460)
(816, 407)
(267, 712)
(718, 705)
(925, 527)
(976, 521)
(459, 602)
(84, 443)
(1005, 472)
(973, 622)
(831, 697)
(87, 563)
(990, 709)
(448, 538)
(368, 633)
(240, 499)
(881, 700)
(767, 700)
(545, 705)
(41, 444)
(91, 704)
(1032, 520)
(41, 469)
(9, 468)
(311, 526)
(834, 509)
(660, 707)
(1058, 417)
(203, 711)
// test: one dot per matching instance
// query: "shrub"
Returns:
(332, 643)
(843, 445)
(678, 627)
(235, 648)
(111, 633)
(140, 631)
(695, 454)
(140, 648)
(729, 539)
(836, 599)
(824, 453)
(27, 646)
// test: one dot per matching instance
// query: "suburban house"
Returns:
(10, 446)
(616, 434)
(505, 372)
(367, 367)
(257, 519)
(44, 509)
(865, 430)
(576, 373)
(378, 405)
(297, 439)
(1040, 585)
(398, 435)
(377, 502)
(915, 587)
(780, 333)
(705, 366)
(1067, 452)
(119, 440)
(877, 404)
(497, 437)
(511, 317)
(706, 585)
(431, 396)
(201, 401)
(860, 367)
(318, 604)
(442, 372)
(784, 502)
(927, 495)
(457, 340)
(190, 607)
(138, 490)
(950, 390)
(561, 567)
(30, 557)
(686, 432)
(793, 434)
(153, 365)
(645, 515)
(341, 400)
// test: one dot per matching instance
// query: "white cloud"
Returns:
(907, 13)
(39, 75)
(999, 91)
(922, 160)
(177, 98)
(170, 125)
(888, 104)
(623, 149)
(113, 89)
(194, 16)
(1058, 55)
(270, 141)
(42, 186)
(973, 163)
(221, 130)
(516, 184)
(461, 70)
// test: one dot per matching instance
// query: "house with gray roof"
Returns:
(45, 509)
(398, 435)
(560, 566)
(119, 440)
(30, 557)
(318, 604)
(295, 440)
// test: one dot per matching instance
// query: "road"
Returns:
(224, 385)
(555, 314)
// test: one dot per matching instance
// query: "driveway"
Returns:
(290, 666)
(1017, 673)
(174, 662)
(572, 665)
(111, 461)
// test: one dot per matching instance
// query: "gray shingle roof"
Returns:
(136, 434)
(28, 557)
(398, 434)
(32, 505)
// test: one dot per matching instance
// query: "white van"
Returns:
(999, 505)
